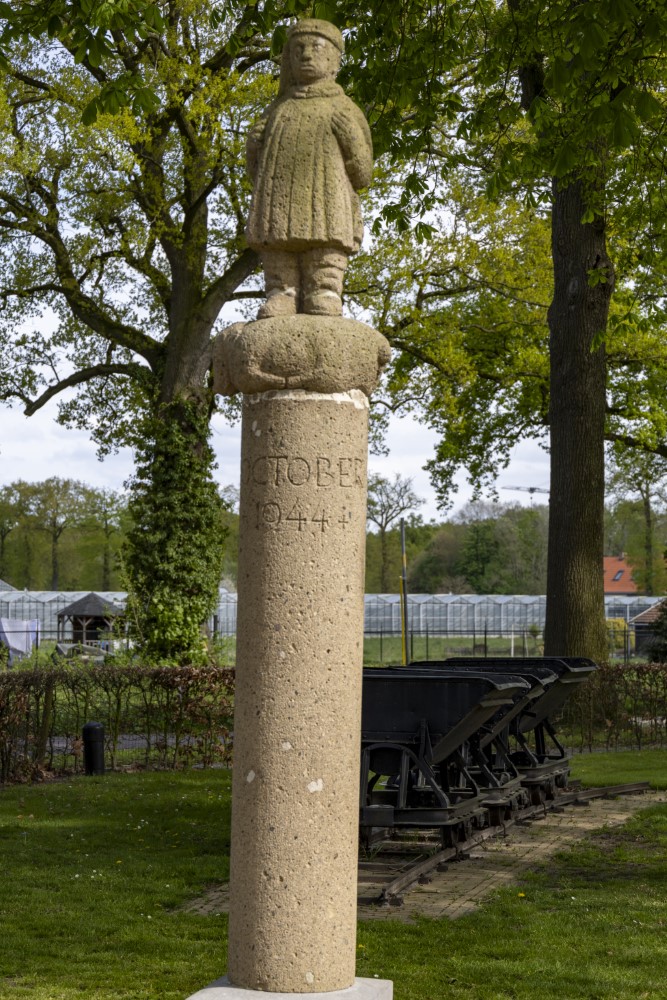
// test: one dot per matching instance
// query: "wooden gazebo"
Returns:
(90, 617)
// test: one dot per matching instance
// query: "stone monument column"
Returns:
(293, 888)
(305, 374)
(299, 653)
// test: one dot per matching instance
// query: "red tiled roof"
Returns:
(618, 576)
(649, 616)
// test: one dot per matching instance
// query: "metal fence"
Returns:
(385, 647)
(380, 647)
(45, 605)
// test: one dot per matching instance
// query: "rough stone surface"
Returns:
(308, 156)
(361, 989)
(293, 891)
(316, 353)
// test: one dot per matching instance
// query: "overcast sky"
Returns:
(36, 448)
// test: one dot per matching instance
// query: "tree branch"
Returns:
(30, 81)
(223, 59)
(22, 293)
(237, 296)
(632, 442)
(85, 308)
(222, 288)
(252, 60)
(131, 369)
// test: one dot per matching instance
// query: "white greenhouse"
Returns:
(428, 614)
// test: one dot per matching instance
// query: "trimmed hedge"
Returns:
(173, 717)
(621, 706)
(152, 716)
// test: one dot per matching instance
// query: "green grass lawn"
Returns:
(621, 768)
(591, 926)
(93, 871)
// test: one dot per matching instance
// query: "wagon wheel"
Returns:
(538, 796)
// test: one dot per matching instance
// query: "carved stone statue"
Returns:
(305, 381)
(308, 156)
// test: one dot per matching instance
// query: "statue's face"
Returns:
(313, 58)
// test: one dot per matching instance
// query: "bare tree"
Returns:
(388, 500)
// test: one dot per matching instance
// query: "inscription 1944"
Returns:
(320, 507)
(275, 517)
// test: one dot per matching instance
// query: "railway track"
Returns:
(390, 867)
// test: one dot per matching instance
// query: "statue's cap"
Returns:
(315, 26)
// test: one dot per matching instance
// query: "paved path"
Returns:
(493, 864)
(503, 860)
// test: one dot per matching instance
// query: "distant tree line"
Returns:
(486, 548)
(61, 534)
(501, 548)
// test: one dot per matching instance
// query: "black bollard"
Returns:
(93, 748)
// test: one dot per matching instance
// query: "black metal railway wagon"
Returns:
(421, 764)
(529, 733)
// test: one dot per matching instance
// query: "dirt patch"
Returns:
(215, 900)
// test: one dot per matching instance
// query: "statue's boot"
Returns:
(322, 272)
(281, 281)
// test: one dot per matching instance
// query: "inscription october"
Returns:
(323, 473)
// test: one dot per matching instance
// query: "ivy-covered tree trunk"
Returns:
(136, 225)
(583, 283)
(175, 545)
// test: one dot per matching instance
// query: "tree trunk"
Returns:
(55, 564)
(575, 622)
(106, 562)
(27, 560)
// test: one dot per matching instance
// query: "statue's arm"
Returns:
(354, 138)
(253, 147)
